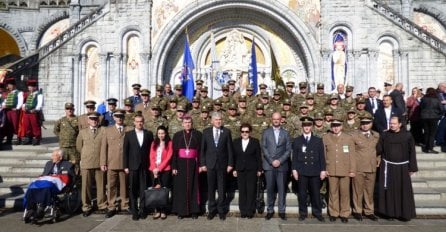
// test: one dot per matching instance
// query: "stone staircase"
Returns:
(407, 25)
(23, 163)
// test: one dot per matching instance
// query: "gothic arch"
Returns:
(343, 27)
(17, 36)
(273, 15)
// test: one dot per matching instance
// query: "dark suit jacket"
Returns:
(220, 156)
(251, 158)
(135, 156)
(63, 167)
(312, 161)
(380, 121)
(368, 105)
(398, 100)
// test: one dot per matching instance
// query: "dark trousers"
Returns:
(247, 186)
(138, 183)
(416, 129)
(311, 185)
(276, 179)
(430, 129)
(440, 137)
(216, 181)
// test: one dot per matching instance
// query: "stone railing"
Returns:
(57, 42)
(408, 25)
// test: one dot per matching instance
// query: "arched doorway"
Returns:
(9, 51)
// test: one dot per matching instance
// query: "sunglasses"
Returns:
(244, 131)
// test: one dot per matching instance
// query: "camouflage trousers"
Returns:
(71, 154)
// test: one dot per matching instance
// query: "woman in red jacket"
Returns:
(160, 157)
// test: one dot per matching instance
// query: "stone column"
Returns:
(123, 81)
(144, 77)
(104, 82)
(83, 75)
(325, 77)
(76, 64)
(372, 65)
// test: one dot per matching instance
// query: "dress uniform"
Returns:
(90, 106)
(341, 165)
(88, 144)
(112, 161)
(66, 129)
(144, 105)
(136, 98)
(108, 116)
(11, 106)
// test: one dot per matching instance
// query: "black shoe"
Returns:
(19, 142)
(269, 216)
(371, 217)
(302, 218)
(249, 216)
(357, 216)
(211, 216)
(86, 213)
(194, 216)
(135, 217)
(110, 213)
(36, 142)
(282, 216)
(332, 219)
(243, 215)
(432, 152)
(143, 215)
(344, 219)
(320, 218)
(222, 217)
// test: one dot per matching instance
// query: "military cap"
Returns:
(145, 92)
(242, 98)
(195, 99)
(10, 81)
(366, 118)
(360, 100)
(351, 110)
(232, 106)
(199, 82)
(225, 87)
(276, 92)
(69, 105)
(349, 88)
(204, 89)
(181, 108)
(320, 86)
(364, 114)
(231, 82)
(259, 107)
(306, 120)
(337, 121)
(290, 83)
(204, 109)
(263, 86)
(310, 96)
(155, 107)
(359, 95)
(159, 88)
(318, 115)
(217, 102)
(328, 112)
(136, 86)
(387, 84)
(112, 101)
(31, 83)
(264, 95)
(93, 115)
(128, 102)
(287, 101)
(303, 105)
(173, 99)
(334, 96)
(119, 113)
(178, 87)
(302, 84)
(250, 87)
(89, 103)
(283, 114)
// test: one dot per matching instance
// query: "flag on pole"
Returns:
(187, 77)
(252, 70)
(275, 72)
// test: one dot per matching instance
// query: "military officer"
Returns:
(218, 107)
(175, 124)
(341, 166)
(320, 98)
(232, 90)
(66, 129)
(259, 122)
(90, 106)
(198, 87)
(351, 123)
(309, 100)
(203, 121)
(300, 97)
(251, 100)
(204, 99)
(286, 107)
(276, 101)
(348, 102)
(154, 120)
(268, 109)
(232, 121)
(181, 99)
(136, 97)
(262, 90)
(334, 105)
(129, 113)
(88, 144)
(144, 105)
(225, 98)
(243, 111)
(108, 116)
(289, 90)
(170, 113)
(195, 111)
(112, 162)
(319, 127)
(160, 99)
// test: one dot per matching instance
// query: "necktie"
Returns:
(216, 136)
(307, 139)
(120, 129)
(93, 130)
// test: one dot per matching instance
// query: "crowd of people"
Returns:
(322, 142)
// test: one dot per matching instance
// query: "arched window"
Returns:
(53, 3)
(2, 5)
(339, 66)
(12, 4)
(62, 3)
(134, 60)
(23, 4)
(43, 3)
(92, 73)
(386, 70)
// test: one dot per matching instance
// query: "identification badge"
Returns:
(64, 172)
(345, 148)
(304, 148)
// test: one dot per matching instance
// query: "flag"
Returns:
(215, 70)
(187, 77)
(275, 72)
(252, 70)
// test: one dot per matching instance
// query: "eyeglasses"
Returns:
(244, 132)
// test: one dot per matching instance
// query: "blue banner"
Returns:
(252, 71)
(186, 75)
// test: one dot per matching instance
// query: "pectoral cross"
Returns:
(187, 152)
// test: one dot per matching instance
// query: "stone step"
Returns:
(422, 164)
(18, 177)
(425, 156)
(13, 188)
(431, 172)
(19, 169)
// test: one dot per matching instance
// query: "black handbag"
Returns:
(260, 202)
(156, 197)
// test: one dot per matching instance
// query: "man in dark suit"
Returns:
(398, 98)
(372, 104)
(58, 166)
(276, 147)
(217, 160)
(383, 115)
(309, 169)
(136, 149)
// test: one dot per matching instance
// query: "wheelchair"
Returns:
(57, 203)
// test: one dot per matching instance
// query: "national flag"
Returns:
(252, 70)
(275, 72)
(187, 77)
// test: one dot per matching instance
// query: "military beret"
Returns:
(199, 82)
(112, 101)
(159, 88)
(302, 84)
(93, 115)
(127, 102)
(263, 86)
(306, 120)
(259, 107)
(145, 92)
(290, 83)
(69, 105)
(89, 103)
(349, 88)
(181, 108)
(136, 86)
(231, 82)
(31, 83)
(320, 86)
(119, 113)
(178, 87)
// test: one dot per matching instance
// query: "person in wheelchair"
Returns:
(41, 195)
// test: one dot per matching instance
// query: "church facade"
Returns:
(95, 50)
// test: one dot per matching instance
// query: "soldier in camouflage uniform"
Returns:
(319, 127)
(304, 112)
(203, 121)
(198, 87)
(129, 113)
(328, 117)
(232, 90)
(286, 108)
(268, 109)
(334, 105)
(320, 98)
(276, 101)
(360, 108)
(300, 97)
(232, 121)
(251, 100)
(90, 107)
(66, 129)
(218, 107)
(262, 91)
(352, 122)
(176, 123)
(169, 114)
(243, 111)
(310, 102)
(348, 102)
(155, 119)
(225, 99)
(160, 100)
(289, 90)
(196, 108)
(259, 122)
(181, 99)
(204, 99)
(144, 106)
